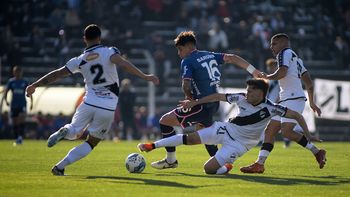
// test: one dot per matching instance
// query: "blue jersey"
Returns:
(18, 88)
(202, 67)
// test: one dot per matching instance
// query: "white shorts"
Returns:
(218, 134)
(297, 105)
(95, 120)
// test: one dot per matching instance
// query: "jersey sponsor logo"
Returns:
(92, 56)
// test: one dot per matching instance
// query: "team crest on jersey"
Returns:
(92, 56)
(262, 114)
(185, 69)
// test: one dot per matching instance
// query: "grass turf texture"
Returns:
(25, 171)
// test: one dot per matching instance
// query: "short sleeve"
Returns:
(219, 57)
(73, 65)
(284, 57)
(302, 67)
(114, 50)
(234, 98)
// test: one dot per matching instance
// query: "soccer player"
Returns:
(200, 77)
(290, 73)
(97, 64)
(274, 88)
(18, 107)
(238, 135)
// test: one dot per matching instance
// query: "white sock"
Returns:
(170, 157)
(312, 147)
(222, 170)
(169, 141)
(263, 154)
(74, 155)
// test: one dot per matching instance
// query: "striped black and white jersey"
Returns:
(100, 75)
(290, 85)
(251, 120)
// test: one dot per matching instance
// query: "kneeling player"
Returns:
(238, 135)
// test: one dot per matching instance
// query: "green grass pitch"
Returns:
(25, 171)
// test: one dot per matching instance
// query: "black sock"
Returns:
(184, 139)
(211, 149)
(303, 141)
(267, 146)
(167, 131)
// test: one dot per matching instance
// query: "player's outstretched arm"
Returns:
(300, 119)
(278, 74)
(237, 60)
(207, 99)
(47, 79)
(309, 86)
(132, 69)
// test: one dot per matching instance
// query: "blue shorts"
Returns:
(15, 111)
(202, 114)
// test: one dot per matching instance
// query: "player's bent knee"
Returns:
(93, 141)
(192, 138)
(169, 119)
(209, 170)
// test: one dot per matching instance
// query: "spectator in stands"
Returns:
(56, 19)
(62, 47)
(59, 121)
(126, 103)
(5, 126)
(45, 125)
(36, 38)
(115, 126)
(14, 55)
(162, 63)
(72, 18)
(141, 123)
(17, 86)
(342, 52)
(217, 38)
(153, 123)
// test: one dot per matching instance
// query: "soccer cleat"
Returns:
(57, 136)
(57, 172)
(321, 158)
(253, 168)
(229, 167)
(163, 164)
(145, 147)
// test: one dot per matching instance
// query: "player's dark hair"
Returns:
(185, 37)
(92, 32)
(260, 84)
(280, 35)
(16, 67)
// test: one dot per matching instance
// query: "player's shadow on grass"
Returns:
(322, 180)
(133, 180)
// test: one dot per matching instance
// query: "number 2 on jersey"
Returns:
(98, 70)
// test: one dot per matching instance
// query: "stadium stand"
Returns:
(41, 35)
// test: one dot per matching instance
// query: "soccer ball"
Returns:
(135, 163)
